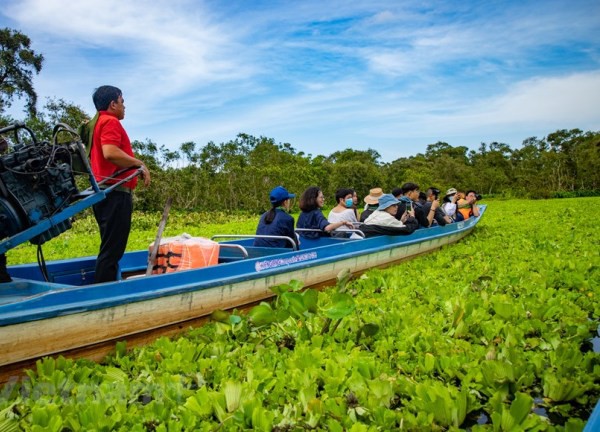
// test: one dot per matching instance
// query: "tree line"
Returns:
(238, 174)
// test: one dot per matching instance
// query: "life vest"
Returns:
(464, 208)
(184, 253)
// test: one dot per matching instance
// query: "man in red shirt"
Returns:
(111, 151)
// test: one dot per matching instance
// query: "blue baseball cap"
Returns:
(280, 194)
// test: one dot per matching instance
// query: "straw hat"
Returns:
(374, 195)
(450, 191)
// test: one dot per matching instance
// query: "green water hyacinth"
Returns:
(493, 333)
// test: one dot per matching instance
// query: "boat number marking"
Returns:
(278, 262)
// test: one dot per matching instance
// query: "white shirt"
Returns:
(383, 218)
(449, 208)
(343, 216)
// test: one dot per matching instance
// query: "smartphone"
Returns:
(408, 206)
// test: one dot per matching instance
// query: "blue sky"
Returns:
(323, 76)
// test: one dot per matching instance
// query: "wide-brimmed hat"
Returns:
(386, 201)
(450, 191)
(280, 194)
(374, 195)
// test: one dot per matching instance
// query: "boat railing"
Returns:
(255, 236)
(306, 230)
(315, 230)
(241, 248)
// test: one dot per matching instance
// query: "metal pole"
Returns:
(161, 228)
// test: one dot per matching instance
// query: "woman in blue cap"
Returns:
(277, 222)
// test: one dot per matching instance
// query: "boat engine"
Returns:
(36, 182)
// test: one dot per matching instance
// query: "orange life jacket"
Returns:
(177, 253)
(464, 208)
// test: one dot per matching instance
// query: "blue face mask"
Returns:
(349, 202)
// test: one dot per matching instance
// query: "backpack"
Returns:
(86, 133)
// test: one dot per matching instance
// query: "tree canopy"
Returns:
(18, 63)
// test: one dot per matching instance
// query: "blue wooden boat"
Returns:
(68, 312)
(593, 423)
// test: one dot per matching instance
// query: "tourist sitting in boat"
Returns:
(410, 200)
(371, 203)
(311, 203)
(467, 206)
(277, 222)
(343, 212)
(383, 220)
(434, 215)
(408, 194)
(449, 206)
(355, 203)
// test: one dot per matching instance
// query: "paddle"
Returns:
(161, 228)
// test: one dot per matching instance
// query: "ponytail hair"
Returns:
(270, 216)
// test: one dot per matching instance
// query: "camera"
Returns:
(478, 197)
(435, 192)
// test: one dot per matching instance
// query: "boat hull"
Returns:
(39, 329)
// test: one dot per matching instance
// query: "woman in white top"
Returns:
(343, 211)
(449, 205)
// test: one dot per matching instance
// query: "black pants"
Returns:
(4, 276)
(113, 215)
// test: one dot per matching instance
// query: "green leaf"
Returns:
(114, 375)
(367, 330)
(8, 424)
(220, 316)
(370, 329)
(343, 278)
(280, 289)
(342, 305)
(233, 395)
(261, 315)
(121, 348)
(521, 407)
(294, 303)
(234, 319)
(262, 419)
(296, 285)
(311, 300)
(200, 403)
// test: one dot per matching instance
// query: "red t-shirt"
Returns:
(109, 130)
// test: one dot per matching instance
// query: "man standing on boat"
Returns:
(111, 152)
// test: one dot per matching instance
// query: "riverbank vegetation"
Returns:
(495, 332)
(237, 175)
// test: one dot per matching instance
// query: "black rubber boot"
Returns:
(4, 276)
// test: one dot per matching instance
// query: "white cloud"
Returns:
(365, 73)
(146, 46)
(567, 99)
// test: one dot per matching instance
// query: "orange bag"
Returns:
(183, 253)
